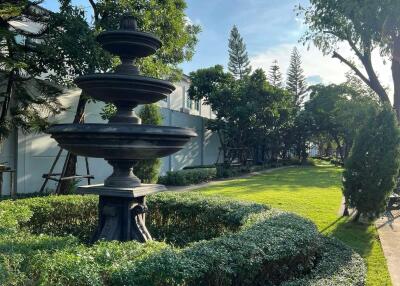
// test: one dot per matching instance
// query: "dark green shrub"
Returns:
(372, 168)
(275, 247)
(181, 219)
(93, 265)
(290, 161)
(187, 177)
(148, 170)
(59, 215)
(247, 244)
(226, 171)
(257, 168)
(199, 167)
(337, 264)
(336, 162)
(11, 215)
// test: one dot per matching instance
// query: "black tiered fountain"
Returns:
(123, 140)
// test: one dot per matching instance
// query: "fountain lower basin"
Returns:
(121, 141)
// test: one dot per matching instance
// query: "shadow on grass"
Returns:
(358, 236)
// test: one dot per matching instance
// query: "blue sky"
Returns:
(270, 29)
(262, 23)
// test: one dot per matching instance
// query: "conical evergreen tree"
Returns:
(372, 169)
(239, 64)
(275, 75)
(296, 82)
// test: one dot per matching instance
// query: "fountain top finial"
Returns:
(128, 22)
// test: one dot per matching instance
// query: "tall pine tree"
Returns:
(275, 75)
(239, 64)
(296, 82)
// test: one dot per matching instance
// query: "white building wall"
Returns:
(36, 152)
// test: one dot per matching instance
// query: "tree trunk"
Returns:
(374, 82)
(70, 162)
(7, 98)
(396, 75)
(340, 147)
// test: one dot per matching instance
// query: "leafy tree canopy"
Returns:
(249, 111)
(364, 27)
(339, 111)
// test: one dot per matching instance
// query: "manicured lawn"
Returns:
(315, 193)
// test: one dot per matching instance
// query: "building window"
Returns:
(197, 105)
(190, 103)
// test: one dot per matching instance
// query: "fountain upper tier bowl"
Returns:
(121, 141)
(128, 43)
(137, 89)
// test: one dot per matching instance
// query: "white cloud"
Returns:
(330, 70)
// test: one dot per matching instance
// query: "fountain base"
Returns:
(122, 211)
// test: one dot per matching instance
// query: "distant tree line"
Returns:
(255, 112)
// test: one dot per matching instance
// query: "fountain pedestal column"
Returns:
(122, 211)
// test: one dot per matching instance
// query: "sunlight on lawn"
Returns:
(315, 193)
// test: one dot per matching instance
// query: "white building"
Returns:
(31, 155)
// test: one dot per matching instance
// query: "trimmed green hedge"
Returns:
(188, 177)
(55, 215)
(336, 265)
(201, 241)
(187, 217)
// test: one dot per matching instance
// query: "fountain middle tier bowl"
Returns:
(136, 89)
(121, 141)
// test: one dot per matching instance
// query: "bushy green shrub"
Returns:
(372, 168)
(11, 215)
(290, 161)
(337, 264)
(187, 177)
(180, 219)
(217, 242)
(93, 265)
(274, 248)
(148, 170)
(60, 215)
(199, 167)
(20, 253)
(227, 171)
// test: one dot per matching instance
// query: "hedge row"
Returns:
(59, 216)
(221, 242)
(200, 174)
(183, 218)
(337, 265)
(188, 177)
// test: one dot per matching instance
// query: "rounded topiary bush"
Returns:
(198, 241)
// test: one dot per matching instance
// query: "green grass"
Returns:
(313, 192)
